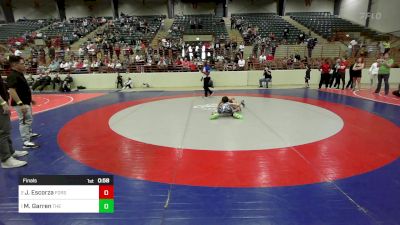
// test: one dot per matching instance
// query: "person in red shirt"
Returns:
(270, 57)
(186, 64)
(193, 67)
(325, 69)
(178, 61)
(342, 71)
(117, 50)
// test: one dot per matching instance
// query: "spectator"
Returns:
(52, 52)
(386, 46)
(301, 37)
(162, 64)
(67, 84)
(270, 57)
(30, 80)
(46, 82)
(267, 77)
(262, 58)
(342, 71)
(118, 66)
(373, 71)
(241, 64)
(56, 81)
(54, 66)
(285, 33)
(358, 66)
(65, 66)
(39, 81)
(384, 64)
(325, 74)
(311, 42)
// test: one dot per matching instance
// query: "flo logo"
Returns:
(371, 15)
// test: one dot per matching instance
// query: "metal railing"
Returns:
(319, 51)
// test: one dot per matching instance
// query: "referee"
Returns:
(21, 100)
(7, 153)
(206, 80)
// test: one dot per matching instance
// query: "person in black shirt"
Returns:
(351, 72)
(39, 81)
(56, 80)
(21, 100)
(43, 82)
(267, 77)
(308, 76)
(7, 152)
(119, 81)
(66, 86)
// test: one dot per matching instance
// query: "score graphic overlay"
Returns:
(66, 194)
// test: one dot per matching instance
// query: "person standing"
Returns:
(358, 67)
(325, 69)
(342, 71)
(386, 45)
(335, 75)
(206, 79)
(351, 73)
(119, 81)
(373, 71)
(21, 100)
(128, 84)
(384, 65)
(308, 76)
(7, 153)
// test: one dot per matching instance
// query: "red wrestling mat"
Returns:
(358, 148)
(46, 102)
(368, 94)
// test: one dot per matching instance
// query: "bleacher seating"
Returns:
(133, 32)
(19, 28)
(72, 29)
(328, 25)
(268, 23)
(198, 24)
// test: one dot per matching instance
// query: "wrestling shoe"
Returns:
(35, 135)
(19, 154)
(237, 116)
(12, 163)
(29, 144)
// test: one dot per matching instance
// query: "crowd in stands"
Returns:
(68, 31)
(123, 45)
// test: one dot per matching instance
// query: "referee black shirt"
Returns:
(3, 90)
(17, 81)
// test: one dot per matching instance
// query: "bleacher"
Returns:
(328, 25)
(129, 36)
(67, 29)
(268, 23)
(198, 24)
(19, 28)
